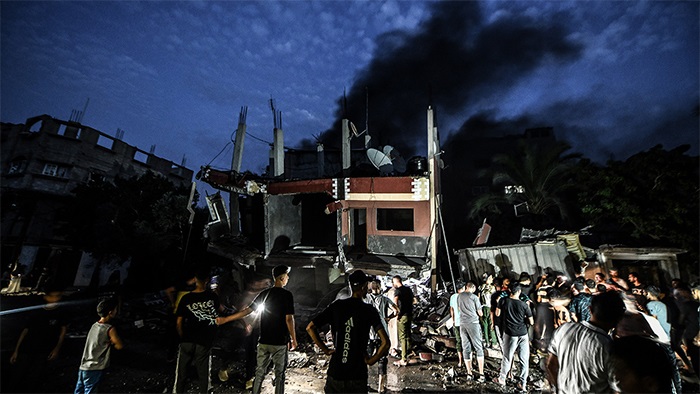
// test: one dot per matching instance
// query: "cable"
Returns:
(220, 152)
(256, 138)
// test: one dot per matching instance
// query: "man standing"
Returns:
(486, 291)
(39, 343)
(277, 332)
(196, 325)
(579, 357)
(454, 313)
(580, 303)
(403, 298)
(657, 308)
(637, 290)
(351, 320)
(382, 304)
(515, 314)
(470, 329)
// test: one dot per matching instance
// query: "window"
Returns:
(96, 177)
(54, 170)
(141, 157)
(513, 189)
(395, 219)
(17, 166)
(105, 142)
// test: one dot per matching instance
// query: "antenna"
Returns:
(80, 119)
(367, 109)
(153, 149)
(345, 104)
(183, 162)
(119, 134)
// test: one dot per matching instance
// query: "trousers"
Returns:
(198, 356)
(277, 355)
(510, 344)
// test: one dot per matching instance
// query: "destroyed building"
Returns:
(371, 210)
(43, 160)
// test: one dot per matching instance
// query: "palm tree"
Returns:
(535, 175)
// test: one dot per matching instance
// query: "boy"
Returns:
(100, 339)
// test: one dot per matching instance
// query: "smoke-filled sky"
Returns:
(612, 77)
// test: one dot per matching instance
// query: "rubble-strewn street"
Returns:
(141, 367)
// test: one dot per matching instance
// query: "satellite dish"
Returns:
(381, 161)
(396, 160)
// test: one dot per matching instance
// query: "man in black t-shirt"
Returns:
(403, 298)
(196, 325)
(39, 343)
(351, 320)
(277, 332)
(515, 315)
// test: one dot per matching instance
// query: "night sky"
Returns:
(612, 77)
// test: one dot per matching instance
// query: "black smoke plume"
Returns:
(452, 59)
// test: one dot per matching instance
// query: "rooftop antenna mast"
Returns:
(82, 114)
(367, 137)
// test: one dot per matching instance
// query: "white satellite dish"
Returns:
(380, 160)
(396, 160)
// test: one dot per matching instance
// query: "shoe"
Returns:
(498, 381)
(481, 379)
(521, 388)
(400, 363)
(223, 375)
(470, 377)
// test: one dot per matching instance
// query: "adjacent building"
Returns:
(42, 162)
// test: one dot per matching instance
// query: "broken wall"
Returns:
(511, 260)
(282, 222)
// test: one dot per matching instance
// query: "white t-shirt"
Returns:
(583, 351)
(455, 308)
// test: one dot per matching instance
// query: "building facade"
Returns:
(42, 162)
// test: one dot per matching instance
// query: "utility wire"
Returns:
(220, 152)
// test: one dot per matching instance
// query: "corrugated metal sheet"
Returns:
(511, 260)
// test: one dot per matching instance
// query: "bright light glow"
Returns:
(513, 189)
(260, 309)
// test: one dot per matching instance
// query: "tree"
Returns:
(536, 175)
(652, 197)
(143, 217)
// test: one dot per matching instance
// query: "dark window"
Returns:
(17, 166)
(396, 219)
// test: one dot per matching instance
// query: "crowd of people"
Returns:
(602, 334)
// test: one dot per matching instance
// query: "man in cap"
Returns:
(277, 333)
(351, 320)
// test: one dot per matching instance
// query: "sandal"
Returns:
(400, 363)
